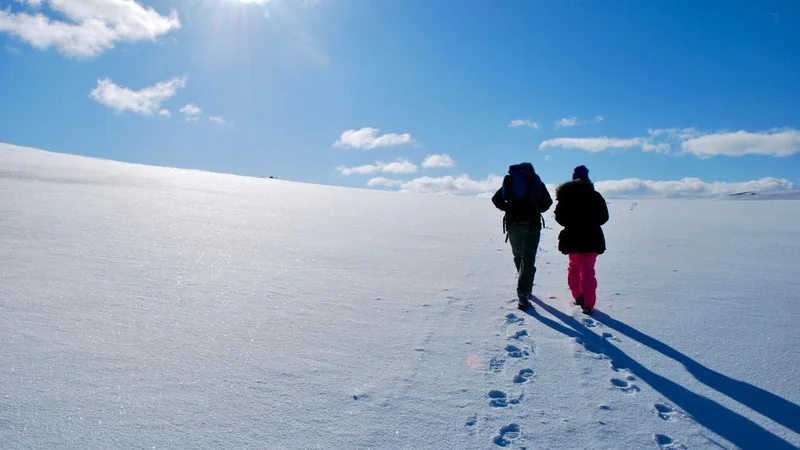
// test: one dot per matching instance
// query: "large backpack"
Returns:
(523, 188)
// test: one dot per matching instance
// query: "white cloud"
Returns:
(11, 49)
(657, 147)
(165, 113)
(593, 145)
(689, 140)
(687, 187)
(400, 166)
(462, 184)
(775, 143)
(674, 133)
(598, 118)
(433, 161)
(384, 182)
(547, 157)
(92, 26)
(191, 111)
(31, 3)
(368, 138)
(516, 123)
(218, 119)
(567, 122)
(146, 101)
(359, 170)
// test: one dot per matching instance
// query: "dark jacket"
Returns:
(581, 211)
(528, 213)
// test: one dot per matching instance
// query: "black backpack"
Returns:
(523, 188)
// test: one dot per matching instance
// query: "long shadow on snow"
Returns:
(739, 430)
(766, 403)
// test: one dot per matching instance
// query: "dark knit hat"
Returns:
(580, 173)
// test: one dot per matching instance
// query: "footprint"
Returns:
(512, 318)
(589, 323)
(524, 376)
(520, 335)
(591, 350)
(667, 443)
(609, 337)
(516, 352)
(499, 399)
(666, 412)
(496, 364)
(624, 386)
(471, 424)
(595, 352)
(616, 368)
(605, 407)
(508, 434)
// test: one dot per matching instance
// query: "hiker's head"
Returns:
(580, 173)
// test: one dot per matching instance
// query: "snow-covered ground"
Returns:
(155, 308)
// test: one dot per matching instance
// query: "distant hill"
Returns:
(755, 195)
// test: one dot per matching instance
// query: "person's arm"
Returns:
(546, 201)
(602, 209)
(562, 213)
(498, 201)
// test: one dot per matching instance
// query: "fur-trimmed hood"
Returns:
(574, 187)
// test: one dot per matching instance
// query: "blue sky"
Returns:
(347, 91)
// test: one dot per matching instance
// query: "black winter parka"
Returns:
(581, 211)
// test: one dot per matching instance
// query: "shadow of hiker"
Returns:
(764, 402)
(737, 429)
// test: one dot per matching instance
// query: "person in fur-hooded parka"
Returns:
(582, 212)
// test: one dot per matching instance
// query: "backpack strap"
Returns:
(535, 184)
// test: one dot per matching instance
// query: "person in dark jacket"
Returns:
(582, 212)
(522, 222)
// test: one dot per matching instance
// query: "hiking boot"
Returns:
(587, 311)
(523, 303)
(579, 300)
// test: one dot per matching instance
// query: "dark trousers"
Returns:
(524, 239)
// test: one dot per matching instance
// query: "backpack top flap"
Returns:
(521, 178)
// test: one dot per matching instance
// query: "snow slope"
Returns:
(754, 195)
(156, 308)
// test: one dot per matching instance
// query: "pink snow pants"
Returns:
(581, 279)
